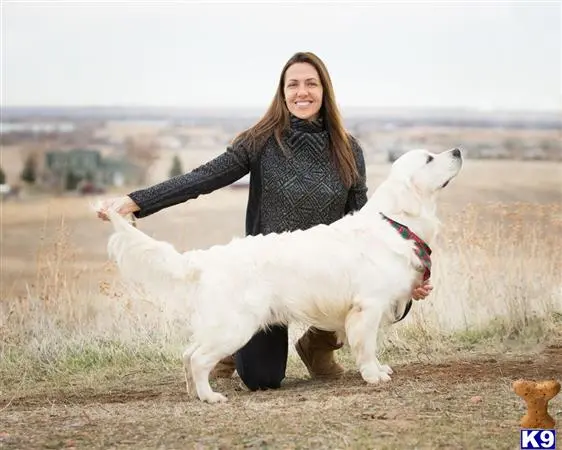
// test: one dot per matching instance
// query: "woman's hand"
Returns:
(123, 205)
(422, 291)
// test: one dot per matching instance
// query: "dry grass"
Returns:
(84, 362)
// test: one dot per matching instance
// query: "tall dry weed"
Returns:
(497, 270)
(59, 318)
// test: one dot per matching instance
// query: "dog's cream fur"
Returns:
(351, 277)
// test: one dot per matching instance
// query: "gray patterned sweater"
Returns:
(286, 192)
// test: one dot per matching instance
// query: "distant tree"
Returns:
(177, 168)
(33, 157)
(2, 176)
(29, 172)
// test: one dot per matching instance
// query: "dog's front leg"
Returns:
(362, 327)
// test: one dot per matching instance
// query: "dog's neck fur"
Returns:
(418, 214)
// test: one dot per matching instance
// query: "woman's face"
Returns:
(303, 91)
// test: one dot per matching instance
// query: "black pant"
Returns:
(262, 362)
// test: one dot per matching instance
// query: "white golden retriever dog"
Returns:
(352, 277)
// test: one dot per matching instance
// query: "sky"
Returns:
(475, 55)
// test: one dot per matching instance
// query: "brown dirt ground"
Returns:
(463, 403)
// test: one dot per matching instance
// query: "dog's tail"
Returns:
(154, 266)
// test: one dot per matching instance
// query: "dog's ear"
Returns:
(409, 199)
(398, 196)
(405, 199)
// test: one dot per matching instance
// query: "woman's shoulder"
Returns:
(247, 142)
(355, 142)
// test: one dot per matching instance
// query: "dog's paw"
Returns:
(214, 397)
(387, 369)
(373, 375)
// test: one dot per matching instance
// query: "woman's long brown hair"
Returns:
(277, 119)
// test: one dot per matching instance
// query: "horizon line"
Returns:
(261, 108)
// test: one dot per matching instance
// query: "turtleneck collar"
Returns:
(307, 126)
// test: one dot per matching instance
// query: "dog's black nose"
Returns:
(456, 153)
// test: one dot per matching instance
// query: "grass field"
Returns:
(84, 366)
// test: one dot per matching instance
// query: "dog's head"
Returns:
(426, 173)
(410, 190)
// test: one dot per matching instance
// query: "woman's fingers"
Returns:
(123, 205)
(421, 292)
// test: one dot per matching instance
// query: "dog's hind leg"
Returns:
(205, 357)
(362, 327)
(202, 361)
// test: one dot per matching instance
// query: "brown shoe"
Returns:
(224, 369)
(316, 349)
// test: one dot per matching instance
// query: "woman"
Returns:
(304, 170)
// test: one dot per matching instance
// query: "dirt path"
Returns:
(466, 403)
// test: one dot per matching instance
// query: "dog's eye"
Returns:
(429, 159)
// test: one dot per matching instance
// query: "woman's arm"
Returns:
(226, 168)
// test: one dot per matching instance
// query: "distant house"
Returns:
(68, 169)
